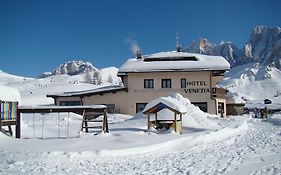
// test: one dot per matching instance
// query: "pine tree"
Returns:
(97, 78)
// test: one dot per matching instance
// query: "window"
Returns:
(166, 83)
(70, 103)
(140, 107)
(183, 82)
(180, 58)
(148, 83)
(202, 106)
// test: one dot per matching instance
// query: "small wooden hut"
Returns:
(9, 100)
(158, 108)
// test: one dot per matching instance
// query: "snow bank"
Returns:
(275, 119)
(180, 143)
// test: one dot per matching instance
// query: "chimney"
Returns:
(178, 48)
(138, 55)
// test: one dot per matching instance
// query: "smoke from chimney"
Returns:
(134, 47)
(178, 46)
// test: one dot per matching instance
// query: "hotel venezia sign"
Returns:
(191, 87)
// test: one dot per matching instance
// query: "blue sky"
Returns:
(37, 36)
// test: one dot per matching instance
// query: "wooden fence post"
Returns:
(18, 125)
(148, 121)
(105, 122)
(0, 115)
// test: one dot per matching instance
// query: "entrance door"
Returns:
(221, 109)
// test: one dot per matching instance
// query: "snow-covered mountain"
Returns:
(253, 82)
(72, 68)
(263, 47)
(257, 75)
(226, 49)
(266, 44)
(86, 72)
(37, 88)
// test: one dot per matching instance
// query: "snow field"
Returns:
(208, 145)
(255, 152)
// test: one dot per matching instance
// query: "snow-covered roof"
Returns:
(50, 109)
(168, 101)
(234, 100)
(9, 94)
(174, 61)
(63, 107)
(102, 90)
(259, 104)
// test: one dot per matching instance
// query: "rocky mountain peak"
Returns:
(264, 47)
(264, 40)
(74, 68)
(226, 49)
(201, 45)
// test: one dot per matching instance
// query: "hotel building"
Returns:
(146, 77)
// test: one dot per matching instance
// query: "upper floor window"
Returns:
(166, 83)
(183, 82)
(148, 83)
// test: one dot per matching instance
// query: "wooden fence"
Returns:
(11, 114)
(8, 114)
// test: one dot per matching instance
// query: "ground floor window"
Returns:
(140, 107)
(70, 103)
(203, 106)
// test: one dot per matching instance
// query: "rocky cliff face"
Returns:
(264, 47)
(74, 68)
(265, 42)
(226, 49)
